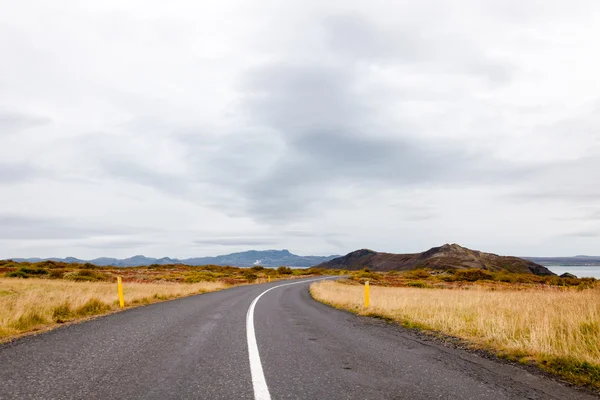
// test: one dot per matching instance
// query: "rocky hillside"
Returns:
(448, 256)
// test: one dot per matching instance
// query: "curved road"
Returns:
(198, 348)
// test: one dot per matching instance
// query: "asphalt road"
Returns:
(198, 348)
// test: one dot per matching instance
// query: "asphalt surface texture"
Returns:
(197, 348)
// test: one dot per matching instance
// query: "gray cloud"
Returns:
(20, 227)
(413, 46)
(295, 98)
(564, 181)
(236, 241)
(329, 139)
(12, 122)
(117, 244)
(583, 234)
(11, 173)
(130, 171)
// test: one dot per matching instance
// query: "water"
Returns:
(580, 272)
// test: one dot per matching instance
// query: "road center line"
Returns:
(259, 384)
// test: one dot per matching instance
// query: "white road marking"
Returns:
(261, 390)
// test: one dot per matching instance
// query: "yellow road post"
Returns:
(367, 295)
(269, 278)
(120, 290)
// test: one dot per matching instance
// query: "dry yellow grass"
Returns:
(558, 328)
(31, 304)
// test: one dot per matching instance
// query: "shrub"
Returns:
(28, 320)
(202, 276)
(250, 276)
(472, 275)
(367, 275)
(17, 274)
(418, 273)
(92, 307)
(33, 271)
(257, 268)
(417, 284)
(62, 312)
(299, 271)
(87, 275)
(284, 270)
(48, 264)
(57, 274)
(315, 271)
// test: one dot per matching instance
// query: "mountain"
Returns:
(266, 258)
(567, 261)
(448, 256)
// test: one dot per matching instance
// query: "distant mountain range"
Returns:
(577, 261)
(266, 258)
(275, 258)
(448, 256)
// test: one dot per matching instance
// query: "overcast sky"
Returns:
(189, 128)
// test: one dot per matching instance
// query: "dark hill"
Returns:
(448, 256)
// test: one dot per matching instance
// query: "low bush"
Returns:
(284, 270)
(418, 273)
(417, 284)
(92, 307)
(34, 271)
(29, 320)
(17, 274)
(202, 276)
(250, 275)
(87, 275)
(57, 273)
(49, 264)
(299, 271)
(367, 275)
(472, 275)
(315, 271)
(62, 312)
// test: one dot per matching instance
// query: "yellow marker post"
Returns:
(367, 295)
(120, 290)
(269, 278)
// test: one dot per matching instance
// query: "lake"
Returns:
(580, 272)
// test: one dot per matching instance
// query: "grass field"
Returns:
(555, 327)
(31, 304)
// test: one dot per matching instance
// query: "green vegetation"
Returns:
(428, 278)
(29, 321)
(26, 272)
(284, 270)
(86, 275)
(62, 312)
(92, 307)
(176, 273)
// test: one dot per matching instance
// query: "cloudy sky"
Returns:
(189, 128)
